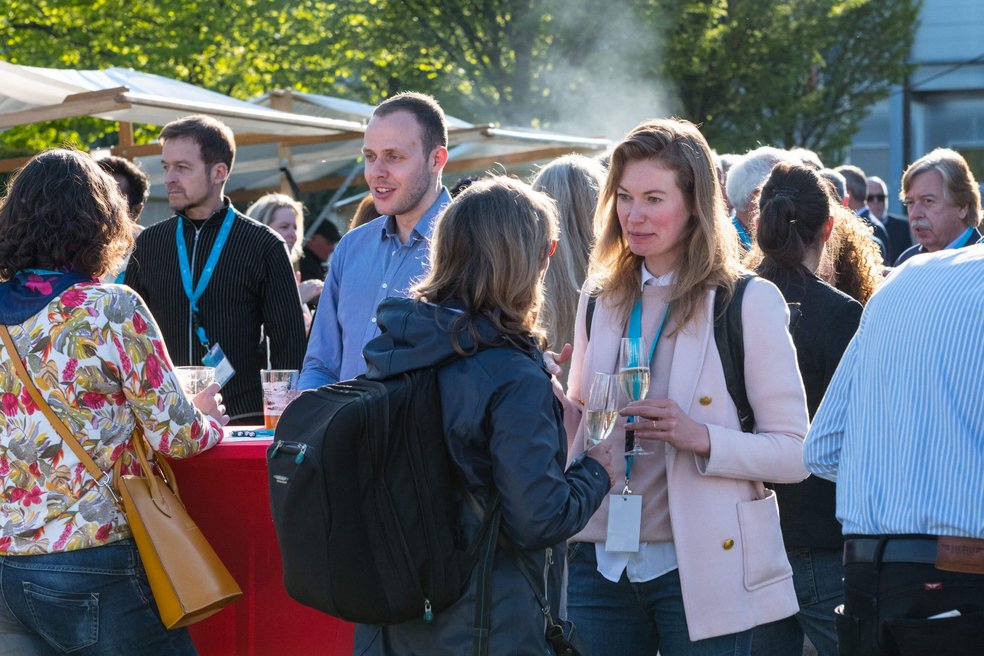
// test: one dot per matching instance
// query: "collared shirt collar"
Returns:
(962, 239)
(664, 280)
(425, 226)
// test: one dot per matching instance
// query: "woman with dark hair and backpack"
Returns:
(796, 218)
(477, 311)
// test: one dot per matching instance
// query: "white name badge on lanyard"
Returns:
(624, 522)
(223, 368)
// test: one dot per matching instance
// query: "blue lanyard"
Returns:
(635, 330)
(743, 236)
(187, 276)
(635, 327)
(44, 272)
(965, 238)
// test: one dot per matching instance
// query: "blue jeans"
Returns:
(86, 602)
(635, 619)
(818, 575)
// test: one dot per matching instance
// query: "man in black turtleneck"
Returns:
(210, 275)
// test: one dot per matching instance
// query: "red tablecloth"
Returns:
(225, 490)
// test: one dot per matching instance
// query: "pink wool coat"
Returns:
(732, 562)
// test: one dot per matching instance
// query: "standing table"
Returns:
(225, 491)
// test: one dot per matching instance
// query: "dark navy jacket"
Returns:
(504, 431)
(917, 249)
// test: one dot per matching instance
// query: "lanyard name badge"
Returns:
(625, 509)
(214, 356)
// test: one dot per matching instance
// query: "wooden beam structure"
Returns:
(79, 104)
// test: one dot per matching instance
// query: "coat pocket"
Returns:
(763, 553)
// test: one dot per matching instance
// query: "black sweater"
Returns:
(822, 325)
(252, 292)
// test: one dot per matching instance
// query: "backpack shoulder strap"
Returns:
(729, 337)
(589, 314)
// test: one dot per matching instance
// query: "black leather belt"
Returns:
(896, 550)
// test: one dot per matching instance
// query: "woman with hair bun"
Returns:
(796, 218)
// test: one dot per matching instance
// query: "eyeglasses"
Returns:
(553, 248)
(879, 197)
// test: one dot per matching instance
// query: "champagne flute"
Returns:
(633, 375)
(600, 410)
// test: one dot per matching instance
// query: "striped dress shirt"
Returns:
(252, 293)
(901, 428)
(369, 264)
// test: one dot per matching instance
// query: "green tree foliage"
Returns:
(785, 72)
(236, 47)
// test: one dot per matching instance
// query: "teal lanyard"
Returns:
(966, 237)
(635, 330)
(195, 293)
(44, 272)
(743, 236)
(635, 327)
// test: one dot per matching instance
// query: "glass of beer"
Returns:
(279, 389)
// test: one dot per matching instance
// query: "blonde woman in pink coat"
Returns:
(694, 555)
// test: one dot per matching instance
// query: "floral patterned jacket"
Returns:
(97, 358)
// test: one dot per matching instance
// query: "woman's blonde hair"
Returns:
(264, 209)
(574, 182)
(488, 251)
(711, 248)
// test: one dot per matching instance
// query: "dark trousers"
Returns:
(888, 602)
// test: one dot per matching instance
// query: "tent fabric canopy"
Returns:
(26, 93)
(317, 138)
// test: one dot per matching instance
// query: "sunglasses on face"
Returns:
(876, 197)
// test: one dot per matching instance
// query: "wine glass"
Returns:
(600, 410)
(633, 375)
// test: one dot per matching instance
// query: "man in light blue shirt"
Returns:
(908, 458)
(405, 150)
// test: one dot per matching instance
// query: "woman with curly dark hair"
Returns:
(70, 576)
(852, 262)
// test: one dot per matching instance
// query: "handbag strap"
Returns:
(514, 555)
(56, 422)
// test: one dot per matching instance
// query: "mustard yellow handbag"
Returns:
(189, 581)
(187, 578)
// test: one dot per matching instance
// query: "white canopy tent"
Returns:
(317, 138)
(473, 147)
(29, 95)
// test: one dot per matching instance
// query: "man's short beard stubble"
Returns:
(416, 193)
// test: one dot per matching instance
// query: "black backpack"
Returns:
(362, 496)
(728, 336)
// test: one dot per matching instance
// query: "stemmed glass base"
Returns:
(636, 449)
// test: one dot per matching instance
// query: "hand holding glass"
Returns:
(633, 375)
(194, 379)
(600, 410)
